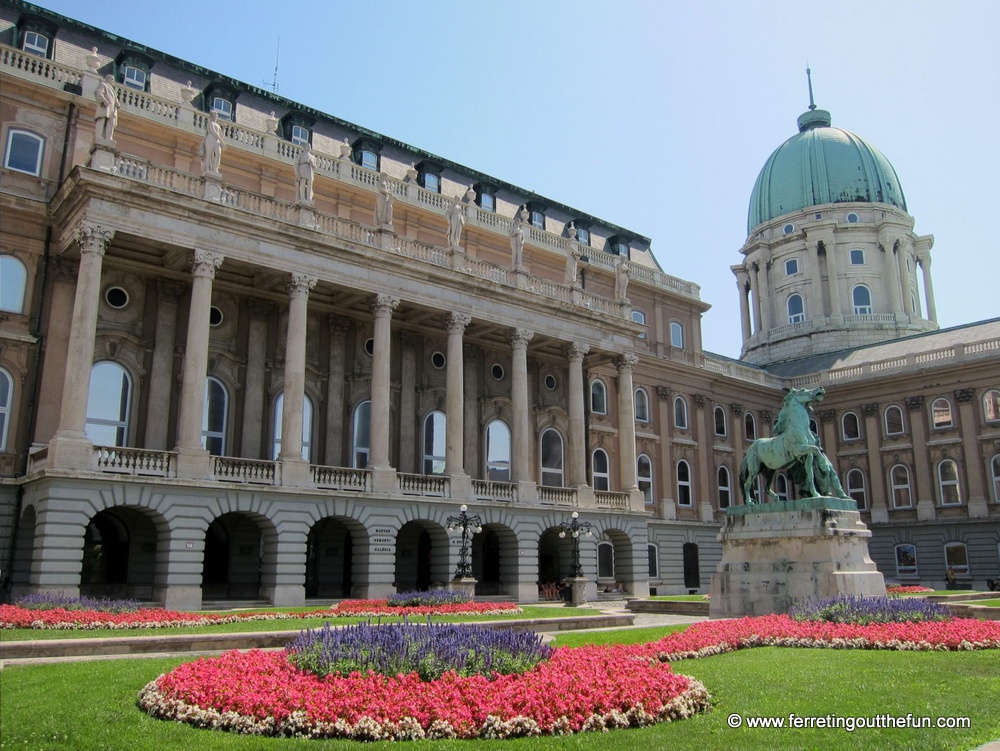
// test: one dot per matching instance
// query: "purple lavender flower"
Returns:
(866, 610)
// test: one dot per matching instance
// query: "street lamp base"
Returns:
(466, 585)
(578, 591)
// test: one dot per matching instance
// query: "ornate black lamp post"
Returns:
(574, 527)
(469, 525)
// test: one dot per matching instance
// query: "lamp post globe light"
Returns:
(574, 527)
(468, 525)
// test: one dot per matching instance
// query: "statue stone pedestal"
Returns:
(466, 586)
(777, 554)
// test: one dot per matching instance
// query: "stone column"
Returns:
(738, 433)
(758, 323)
(892, 273)
(193, 459)
(923, 491)
(978, 508)
(454, 459)
(253, 384)
(833, 278)
(665, 397)
(906, 301)
(626, 421)
(295, 471)
(741, 285)
(64, 273)
(70, 448)
(813, 302)
(473, 363)
(925, 267)
(764, 296)
(335, 393)
(876, 485)
(161, 375)
(521, 433)
(577, 464)
(381, 397)
(706, 435)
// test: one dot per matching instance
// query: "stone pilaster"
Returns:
(161, 376)
(295, 470)
(335, 393)
(253, 382)
(577, 464)
(382, 306)
(924, 491)
(455, 402)
(978, 508)
(626, 421)
(521, 433)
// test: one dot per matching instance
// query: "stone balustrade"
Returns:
(131, 461)
(557, 496)
(253, 471)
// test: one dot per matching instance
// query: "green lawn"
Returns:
(90, 706)
(987, 603)
(25, 634)
(680, 598)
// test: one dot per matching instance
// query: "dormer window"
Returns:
(297, 128)
(582, 232)
(429, 176)
(132, 70)
(485, 196)
(619, 245)
(223, 106)
(366, 153)
(221, 99)
(35, 43)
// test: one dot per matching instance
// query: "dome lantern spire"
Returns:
(813, 118)
(812, 104)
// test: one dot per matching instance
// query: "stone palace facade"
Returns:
(251, 351)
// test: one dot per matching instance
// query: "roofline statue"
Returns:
(793, 447)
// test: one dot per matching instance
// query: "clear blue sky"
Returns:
(654, 115)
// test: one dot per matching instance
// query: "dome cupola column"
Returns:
(743, 285)
(890, 264)
(924, 259)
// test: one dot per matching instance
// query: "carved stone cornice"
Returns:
(520, 337)
(205, 263)
(870, 409)
(299, 285)
(914, 403)
(663, 392)
(766, 416)
(93, 238)
(736, 409)
(964, 396)
(383, 305)
(699, 400)
(260, 309)
(456, 322)
(828, 415)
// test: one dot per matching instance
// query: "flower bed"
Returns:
(903, 589)
(13, 616)
(577, 690)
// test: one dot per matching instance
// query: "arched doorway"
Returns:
(692, 572)
(234, 549)
(555, 556)
(119, 555)
(421, 557)
(330, 559)
(486, 562)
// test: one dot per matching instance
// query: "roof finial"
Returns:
(812, 104)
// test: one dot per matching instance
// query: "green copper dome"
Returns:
(821, 164)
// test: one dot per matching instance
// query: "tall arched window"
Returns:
(644, 478)
(991, 406)
(862, 297)
(362, 435)
(598, 397)
(676, 335)
(941, 414)
(684, 493)
(796, 310)
(653, 555)
(605, 560)
(435, 428)
(641, 405)
(680, 413)
(600, 472)
(720, 421)
(893, 420)
(108, 404)
(307, 417)
(725, 488)
(498, 451)
(6, 400)
(948, 488)
(13, 282)
(906, 560)
(781, 486)
(995, 475)
(850, 426)
(215, 417)
(552, 458)
(639, 317)
(749, 427)
(856, 488)
(899, 480)
(956, 557)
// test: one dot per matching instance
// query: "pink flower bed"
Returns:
(901, 589)
(12, 616)
(578, 690)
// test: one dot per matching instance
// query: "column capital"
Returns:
(520, 337)
(260, 309)
(870, 409)
(299, 285)
(339, 326)
(964, 396)
(576, 350)
(699, 400)
(92, 237)
(170, 290)
(384, 304)
(663, 392)
(828, 415)
(914, 403)
(737, 409)
(457, 322)
(626, 363)
(205, 263)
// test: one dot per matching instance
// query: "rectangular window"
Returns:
(791, 267)
(35, 43)
(134, 78)
(583, 236)
(906, 560)
(857, 257)
(369, 159)
(486, 202)
(300, 135)
(538, 219)
(432, 182)
(223, 106)
(24, 152)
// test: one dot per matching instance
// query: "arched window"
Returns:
(24, 152)
(653, 555)
(948, 488)
(956, 558)
(108, 404)
(899, 481)
(498, 451)
(862, 297)
(639, 317)
(600, 473)
(598, 397)
(644, 477)
(552, 458)
(680, 413)
(725, 489)
(684, 494)
(941, 414)
(641, 405)
(856, 488)
(605, 560)
(991, 406)
(13, 282)
(893, 420)
(676, 335)
(851, 426)
(435, 428)
(362, 435)
(749, 427)
(995, 475)
(720, 421)
(906, 560)
(6, 400)
(215, 417)
(307, 416)
(796, 310)
(781, 486)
